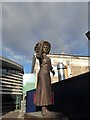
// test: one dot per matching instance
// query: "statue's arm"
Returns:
(38, 55)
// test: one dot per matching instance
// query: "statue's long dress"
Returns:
(43, 91)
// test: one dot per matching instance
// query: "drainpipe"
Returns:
(60, 68)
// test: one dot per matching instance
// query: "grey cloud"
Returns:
(62, 24)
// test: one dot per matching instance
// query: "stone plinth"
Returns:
(38, 116)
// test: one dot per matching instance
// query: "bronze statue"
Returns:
(43, 90)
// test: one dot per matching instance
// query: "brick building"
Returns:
(74, 65)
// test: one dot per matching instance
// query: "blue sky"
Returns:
(63, 24)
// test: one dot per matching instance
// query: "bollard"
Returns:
(60, 68)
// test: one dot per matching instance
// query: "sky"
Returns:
(29, 78)
(24, 24)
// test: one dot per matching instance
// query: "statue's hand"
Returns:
(53, 72)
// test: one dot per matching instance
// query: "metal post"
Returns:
(60, 68)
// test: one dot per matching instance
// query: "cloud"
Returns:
(63, 24)
(15, 57)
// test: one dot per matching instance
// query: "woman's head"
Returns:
(46, 47)
(42, 46)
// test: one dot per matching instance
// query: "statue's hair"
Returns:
(48, 44)
(39, 45)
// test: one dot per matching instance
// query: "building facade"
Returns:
(11, 84)
(74, 65)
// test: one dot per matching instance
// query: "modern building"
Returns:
(11, 84)
(69, 65)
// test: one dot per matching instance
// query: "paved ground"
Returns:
(19, 115)
(16, 114)
(13, 115)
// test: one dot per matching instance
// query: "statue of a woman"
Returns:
(43, 90)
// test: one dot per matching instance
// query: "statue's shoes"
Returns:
(44, 113)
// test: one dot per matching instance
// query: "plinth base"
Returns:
(38, 116)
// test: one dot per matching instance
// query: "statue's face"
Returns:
(46, 49)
